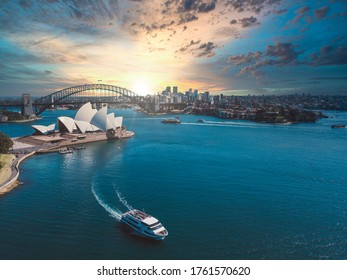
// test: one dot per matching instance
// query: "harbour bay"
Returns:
(224, 190)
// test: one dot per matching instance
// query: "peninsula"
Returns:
(89, 125)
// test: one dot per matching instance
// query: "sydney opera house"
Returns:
(86, 119)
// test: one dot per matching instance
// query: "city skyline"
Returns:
(231, 47)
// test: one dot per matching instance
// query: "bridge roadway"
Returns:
(16, 105)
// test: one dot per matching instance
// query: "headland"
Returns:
(6, 166)
(89, 125)
(14, 117)
(27, 146)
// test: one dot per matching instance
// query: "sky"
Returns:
(235, 47)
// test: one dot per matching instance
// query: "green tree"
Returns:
(5, 143)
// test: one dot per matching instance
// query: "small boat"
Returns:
(200, 121)
(338, 126)
(80, 147)
(144, 224)
(65, 151)
(172, 121)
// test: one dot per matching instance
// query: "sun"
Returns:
(142, 86)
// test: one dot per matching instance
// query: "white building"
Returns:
(86, 119)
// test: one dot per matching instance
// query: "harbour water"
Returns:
(224, 190)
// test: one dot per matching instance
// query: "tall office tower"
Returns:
(195, 95)
(27, 105)
(156, 103)
(168, 89)
(175, 90)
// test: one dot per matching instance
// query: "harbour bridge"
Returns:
(97, 94)
(94, 93)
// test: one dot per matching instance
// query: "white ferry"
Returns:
(144, 224)
(171, 121)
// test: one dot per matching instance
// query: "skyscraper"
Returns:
(175, 89)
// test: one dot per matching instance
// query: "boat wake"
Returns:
(211, 124)
(122, 200)
(151, 119)
(114, 212)
(224, 124)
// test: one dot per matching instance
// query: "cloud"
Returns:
(206, 49)
(203, 50)
(279, 12)
(255, 6)
(321, 12)
(279, 54)
(149, 28)
(301, 13)
(195, 6)
(85, 39)
(80, 17)
(25, 4)
(188, 5)
(19, 71)
(303, 10)
(241, 59)
(284, 54)
(186, 47)
(185, 18)
(329, 55)
(246, 22)
(206, 7)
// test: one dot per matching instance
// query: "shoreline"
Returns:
(6, 165)
(91, 139)
(267, 121)
(22, 121)
(9, 182)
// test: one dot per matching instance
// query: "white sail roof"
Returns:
(68, 122)
(111, 124)
(85, 113)
(43, 129)
(100, 119)
(94, 128)
(86, 119)
(83, 126)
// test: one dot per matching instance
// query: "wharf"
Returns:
(54, 142)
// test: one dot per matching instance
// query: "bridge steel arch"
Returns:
(57, 97)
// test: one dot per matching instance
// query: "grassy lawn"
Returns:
(5, 166)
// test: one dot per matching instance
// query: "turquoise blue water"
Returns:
(224, 190)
